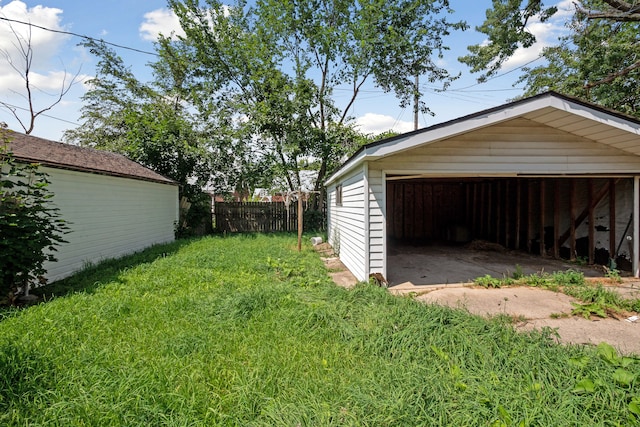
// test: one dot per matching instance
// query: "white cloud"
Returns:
(160, 21)
(53, 65)
(45, 44)
(375, 124)
(546, 34)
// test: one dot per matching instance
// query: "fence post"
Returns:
(300, 220)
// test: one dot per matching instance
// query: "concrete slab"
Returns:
(533, 308)
(429, 265)
(521, 302)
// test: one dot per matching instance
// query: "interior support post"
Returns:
(483, 208)
(499, 203)
(518, 201)
(585, 212)
(636, 226)
(474, 206)
(489, 210)
(612, 219)
(530, 215)
(572, 220)
(556, 219)
(542, 219)
(507, 216)
(591, 223)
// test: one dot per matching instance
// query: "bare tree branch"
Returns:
(25, 48)
(622, 6)
(613, 76)
(614, 16)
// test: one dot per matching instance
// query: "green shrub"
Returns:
(30, 227)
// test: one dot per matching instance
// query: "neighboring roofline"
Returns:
(64, 166)
(365, 151)
(60, 149)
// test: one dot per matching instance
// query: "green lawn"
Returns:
(245, 331)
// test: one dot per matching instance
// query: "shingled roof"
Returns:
(32, 149)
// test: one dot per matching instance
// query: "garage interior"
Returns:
(451, 230)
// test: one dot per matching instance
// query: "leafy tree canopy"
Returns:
(599, 60)
(278, 64)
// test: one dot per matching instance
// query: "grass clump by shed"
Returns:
(244, 330)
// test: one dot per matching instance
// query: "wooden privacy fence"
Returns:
(255, 217)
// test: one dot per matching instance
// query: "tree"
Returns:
(30, 226)
(278, 65)
(23, 67)
(599, 61)
(150, 126)
(595, 63)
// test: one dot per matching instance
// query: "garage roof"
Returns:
(27, 148)
(552, 109)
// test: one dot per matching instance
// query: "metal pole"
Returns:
(416, 100)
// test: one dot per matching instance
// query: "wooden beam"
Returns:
(499, 203)
(507, 216)
(572, 220)
(612, 219)
(591, 223)
(556, 219)
(489, 210)
(474, 207)
(585, 212)
(483, 208)
(542, 218)
(518, 201)
(530, 215)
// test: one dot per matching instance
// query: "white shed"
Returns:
(548, 174)
(114, 206)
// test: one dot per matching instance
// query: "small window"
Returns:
(339, 195)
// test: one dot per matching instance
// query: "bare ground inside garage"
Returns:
(443, 275)
(456, 264)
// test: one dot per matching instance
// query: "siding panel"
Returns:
(346, 229)
(109, 217)
(516, 146)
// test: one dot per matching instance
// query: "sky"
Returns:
(58, 60)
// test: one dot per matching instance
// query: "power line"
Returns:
(498, 75)
(45, 115)
(77, 35)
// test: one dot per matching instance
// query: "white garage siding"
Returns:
(377, 222)
(109, 217)
(516, 146)
(548, 135)
(347, 229)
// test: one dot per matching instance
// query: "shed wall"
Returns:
(109, 217)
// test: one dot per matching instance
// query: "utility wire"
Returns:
(497, 75)
(78, 35)
(45, 115)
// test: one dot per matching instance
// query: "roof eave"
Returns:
(492, 116)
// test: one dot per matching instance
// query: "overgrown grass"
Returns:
(246, 331)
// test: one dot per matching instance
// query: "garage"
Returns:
(547, 176)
